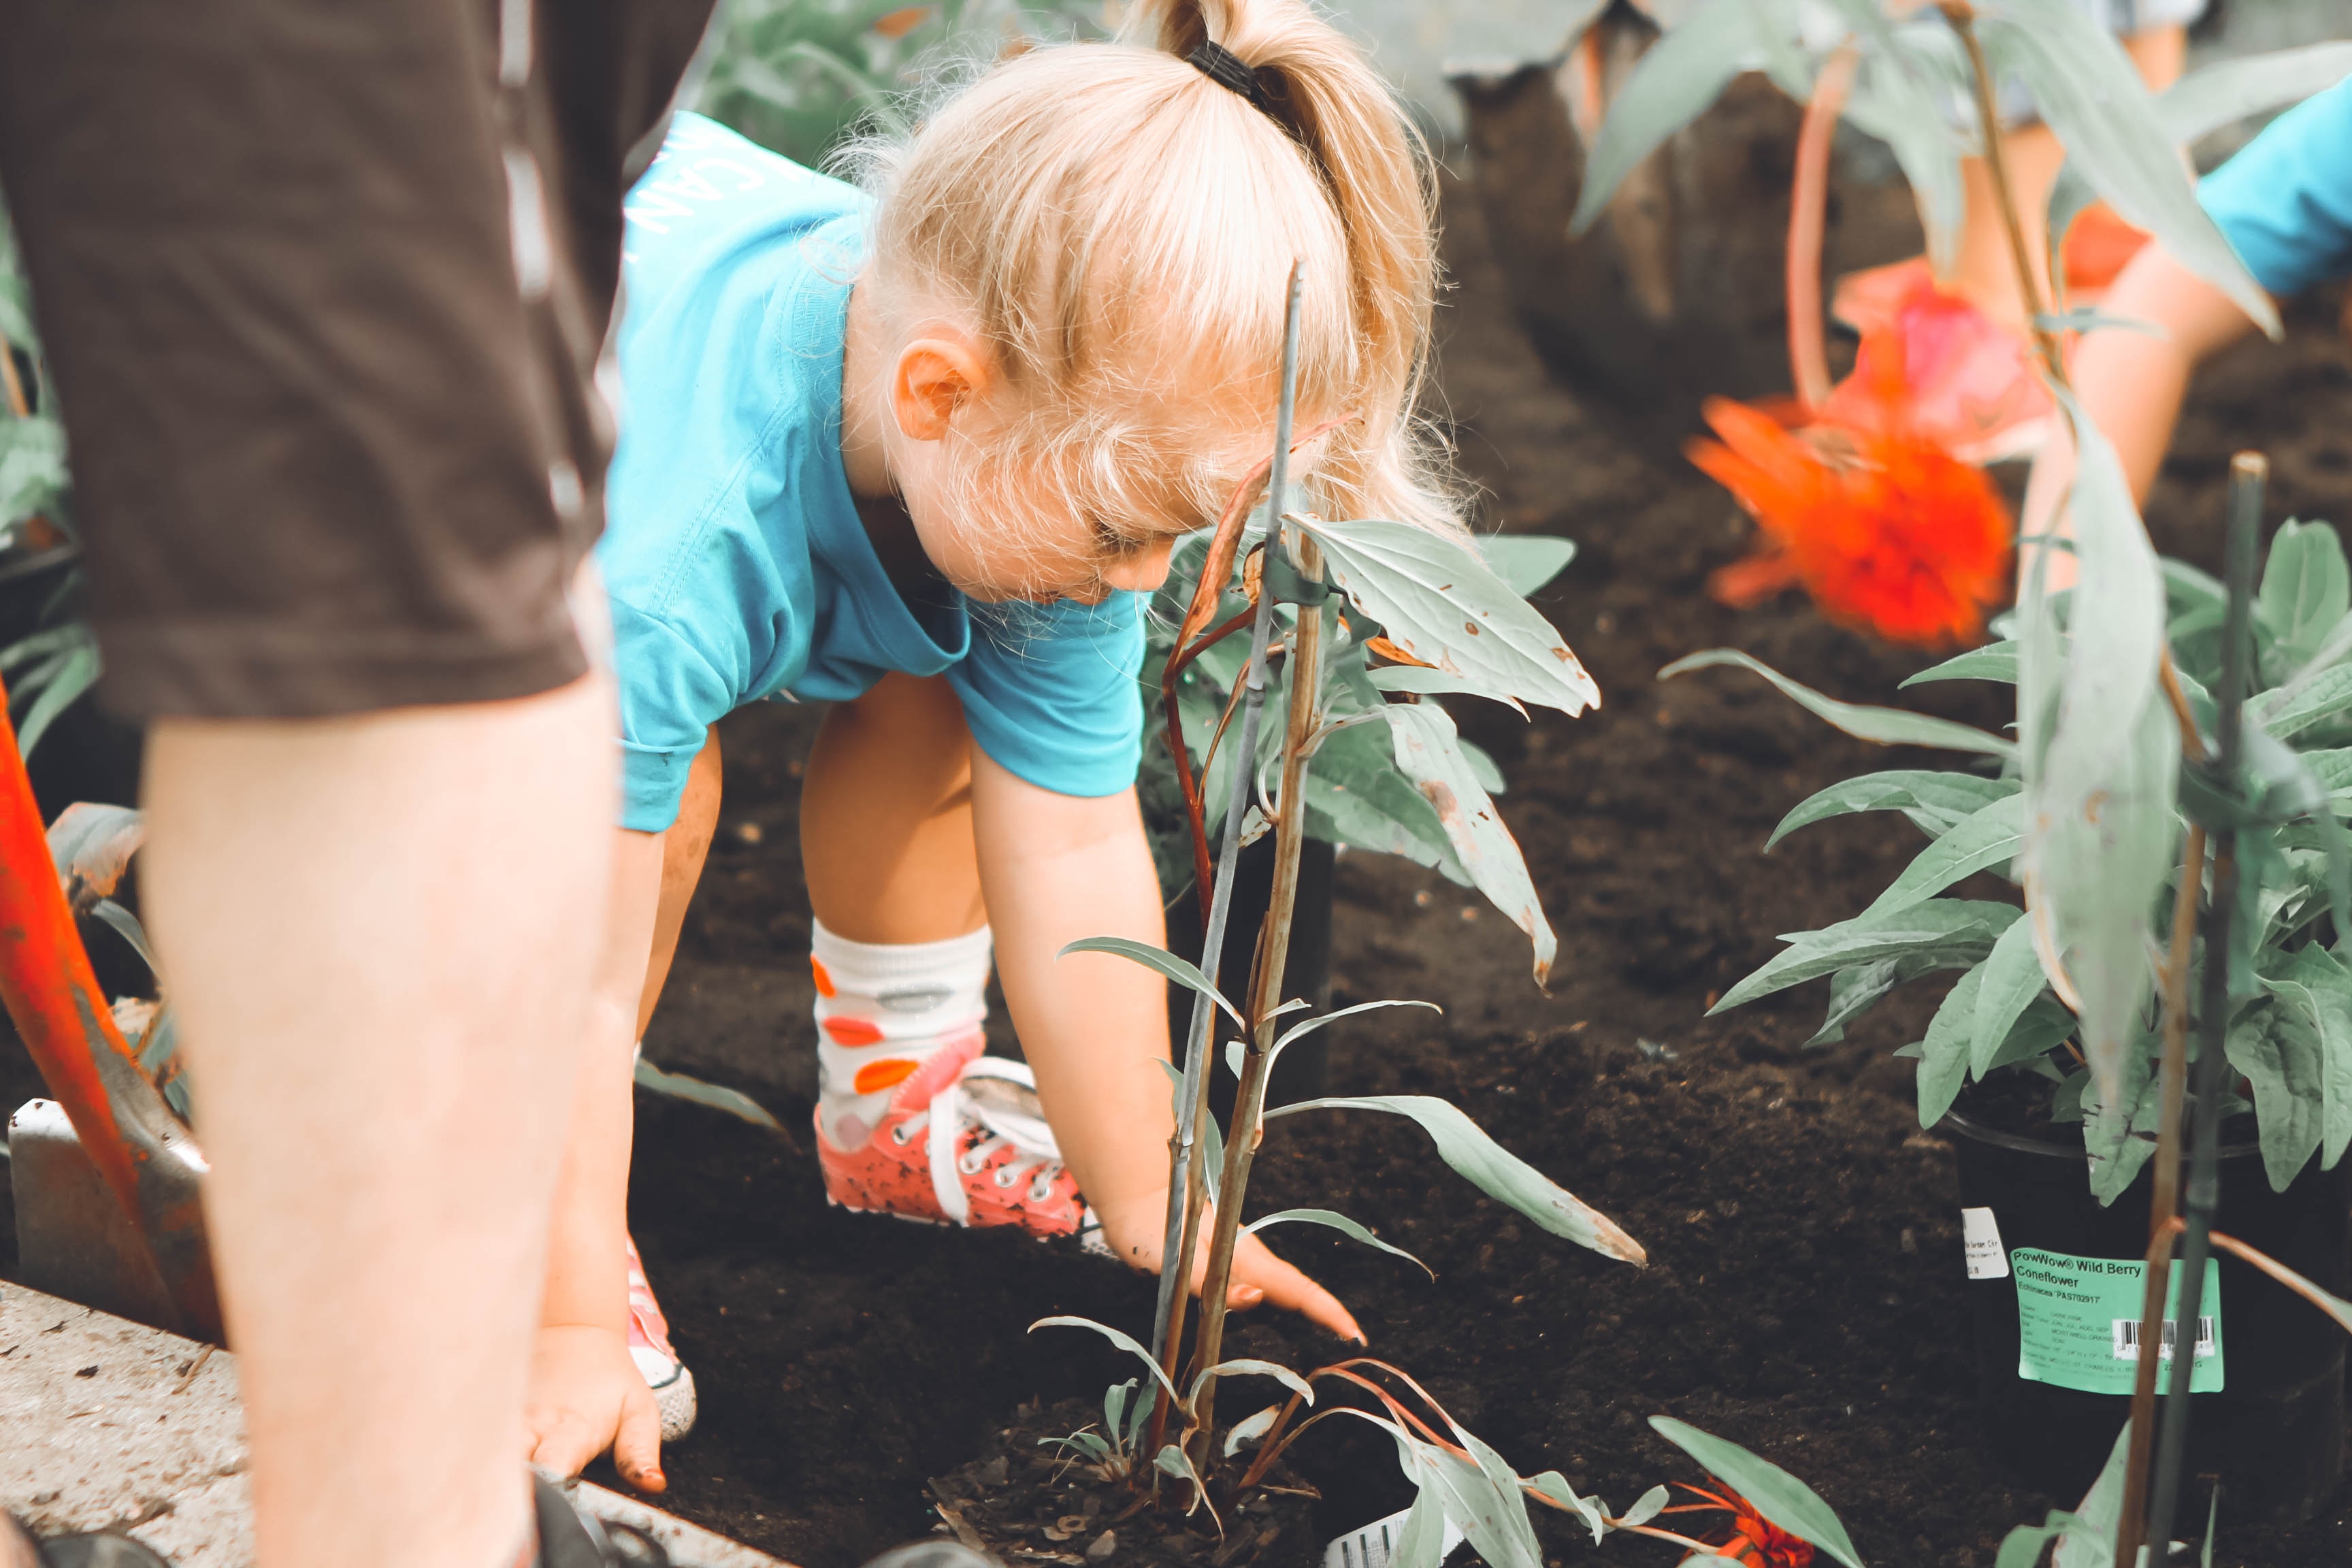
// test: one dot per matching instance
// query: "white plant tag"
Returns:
(1373, 1545)
(1980, 1238)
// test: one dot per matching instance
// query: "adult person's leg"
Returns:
(317, 318)
(379, 932)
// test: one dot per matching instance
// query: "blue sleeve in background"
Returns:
(670, 695)
(2284, 202)
(1050, 691)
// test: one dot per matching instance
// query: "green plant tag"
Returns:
(2078, 1321)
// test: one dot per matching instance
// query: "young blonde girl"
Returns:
(921, 453)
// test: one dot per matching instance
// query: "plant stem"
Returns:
(1184, 1228)
(1809, 194)
(2029, 282)
(2164, 1203)
(1303, 674)
(2247, 471)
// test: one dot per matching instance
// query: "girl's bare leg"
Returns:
(685, 848)
(885, 817)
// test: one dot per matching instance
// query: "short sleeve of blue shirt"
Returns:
(2284, 202)
(1050, 691)
(736, 561)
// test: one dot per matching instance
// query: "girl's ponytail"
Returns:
(1100, 209)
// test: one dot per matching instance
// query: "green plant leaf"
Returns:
(2119, 1133)
(33, 476)
(1882, 726)
(1494, 1170)
(2227, 91)
(1956, 931)
(678, 1086)
(72, 676)
(2306, 592)
(2012, 978)
(2088, 91)
(1994, 661)
(1856, 991)
(2279, 1050)
(1440, 603)
(1645, 1506)
(1341, 1224)
(1498, 1525)
(127, 926)
(1778, 1495)
(2101, 761)
(1553, 1485)
(1525, 562)
(1249, 1428)
(1678, 78)
(1944, 1054)
(1244, 1366)
(1989, 837)
(1426, 753)
(2316, 983)
(1311, 1025)
(2306, 701)
(1159, 958)
(1122, 1340)
(1421, 1542)
(1413, 679)
(1934, 801)
(2086, 1538)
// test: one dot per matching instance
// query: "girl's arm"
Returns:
(1054, 868)
(2130, 383)
(586, 1394)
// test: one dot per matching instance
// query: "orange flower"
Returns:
(1883, 525)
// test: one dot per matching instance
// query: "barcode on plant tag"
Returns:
(2126, 1332)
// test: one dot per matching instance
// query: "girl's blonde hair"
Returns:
(1118, 227)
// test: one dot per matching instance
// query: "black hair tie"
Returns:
(1229, 70)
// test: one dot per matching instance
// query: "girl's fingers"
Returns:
(563, 1445)
(1258, 1270)
(636, 1447)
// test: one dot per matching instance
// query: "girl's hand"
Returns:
(1136, 1231)
(587, 1396)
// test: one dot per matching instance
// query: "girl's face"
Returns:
(994, 527)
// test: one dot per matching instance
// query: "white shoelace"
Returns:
(952, 1112)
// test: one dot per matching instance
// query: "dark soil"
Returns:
(1028, 1497)
(1803, 1294)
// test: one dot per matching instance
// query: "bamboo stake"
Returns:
(2248, 472)
(1186, 1190)
(1303, 675)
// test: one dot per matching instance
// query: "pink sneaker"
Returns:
(649, 1347)
(998, 1165)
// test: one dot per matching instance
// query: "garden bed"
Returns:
(1801, 1297)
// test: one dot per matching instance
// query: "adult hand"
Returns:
(1135, 1231)
(587, 1396)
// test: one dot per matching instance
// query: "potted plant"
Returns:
(2100, 803)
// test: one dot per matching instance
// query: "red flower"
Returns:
(1868, 507)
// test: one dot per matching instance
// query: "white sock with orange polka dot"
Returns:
(882, 1010)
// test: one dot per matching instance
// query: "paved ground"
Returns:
(112, 1425)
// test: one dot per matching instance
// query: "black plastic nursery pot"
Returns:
(2054, 1293)
(1302, 1069)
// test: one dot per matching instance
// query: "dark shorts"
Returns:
(322, 285)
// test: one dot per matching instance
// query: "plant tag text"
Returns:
(1980, 1238)
(2078, 1322)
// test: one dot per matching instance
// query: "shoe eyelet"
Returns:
(1006, 1175)
(969, 1166)
(1039, 1192)
(901, 1135)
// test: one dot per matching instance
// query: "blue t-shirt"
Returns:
(2284, 202)
(733, 554)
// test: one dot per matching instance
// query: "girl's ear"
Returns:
(938, 373)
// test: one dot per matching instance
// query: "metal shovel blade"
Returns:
(73, 1239)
